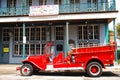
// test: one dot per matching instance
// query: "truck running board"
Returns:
(51, 68)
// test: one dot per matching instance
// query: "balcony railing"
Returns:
(64, 8)
(14, 11)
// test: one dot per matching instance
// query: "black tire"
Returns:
(26, 70)
(94, 69)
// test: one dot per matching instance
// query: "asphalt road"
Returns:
(8, 72)
(61, 76)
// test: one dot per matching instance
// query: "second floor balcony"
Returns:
(63, 8)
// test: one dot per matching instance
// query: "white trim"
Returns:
(60, 17)
(51, 68)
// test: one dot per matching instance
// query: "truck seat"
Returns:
(59, 58)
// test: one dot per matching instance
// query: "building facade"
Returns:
(26, 25)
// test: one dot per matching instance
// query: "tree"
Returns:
(118, 29)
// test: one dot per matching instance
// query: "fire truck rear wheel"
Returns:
(26, 70)
(94, 69)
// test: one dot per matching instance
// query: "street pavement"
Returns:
(8, 72)
(8, 68)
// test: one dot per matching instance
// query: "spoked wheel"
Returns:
(26, 70)
(94, 69)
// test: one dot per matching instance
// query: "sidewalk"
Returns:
(113, 68)
(8, 68)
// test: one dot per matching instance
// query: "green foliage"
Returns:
(110, 31)
(118, 29)
(119, 61)
(118, 56)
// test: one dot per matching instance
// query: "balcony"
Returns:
(64, 8)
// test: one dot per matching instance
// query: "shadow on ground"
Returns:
(105, 74)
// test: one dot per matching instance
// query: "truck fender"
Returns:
(32, 63)
(94, 60)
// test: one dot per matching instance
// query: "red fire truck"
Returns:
(92, 60)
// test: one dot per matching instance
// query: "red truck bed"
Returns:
(103, 52)
(94, 49)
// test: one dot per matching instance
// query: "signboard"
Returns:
(5, 50)
(44, 10)
(24, 39)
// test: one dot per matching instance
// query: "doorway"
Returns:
(59, 39)
(5, 52)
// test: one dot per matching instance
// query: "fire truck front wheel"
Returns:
(26, 70)
(94, 69)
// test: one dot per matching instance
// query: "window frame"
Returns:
(42, 2)
(59, 2)
(59, 33)
(5, 34)
(84, 31)
(74, 1)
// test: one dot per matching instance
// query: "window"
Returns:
(16, 34)
(27, 49)
(32, 49)
(38, 33)
(42, 2)
(27, 33)
(88, 32)
(96, 32)
(21, 34)
(92, 5)
(20, 49)
(58, 2)
(38, 49)
(43, 47)
(5, 35)
(0, 3)
(89, 3)
(29, 2)
(32, 34)
(74, 1)
(16, 49)
(59, 33)
(80, 28)
(11, 3)
(43, 33)
(35, 40)
(85, 35)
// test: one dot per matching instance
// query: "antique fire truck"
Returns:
(91, 59)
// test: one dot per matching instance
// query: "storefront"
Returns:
(37, 34)
(26, 26)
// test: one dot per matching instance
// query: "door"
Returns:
(5, 44)
(5, 53)
(59, 39)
